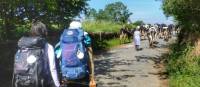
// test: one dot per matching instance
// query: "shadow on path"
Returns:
(159, 62)
(7, 51)
(105, 66)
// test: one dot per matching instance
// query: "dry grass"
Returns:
(196, 50)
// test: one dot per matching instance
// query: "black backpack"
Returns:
(30, 65)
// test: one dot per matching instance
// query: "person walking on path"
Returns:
(137, 39)
(35, 64)
(75, 54)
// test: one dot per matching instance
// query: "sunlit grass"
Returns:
(113, 43)
(101, 26)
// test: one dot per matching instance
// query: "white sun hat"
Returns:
(75, 25)
(138, 27)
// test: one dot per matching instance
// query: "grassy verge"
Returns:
(113, 43)
(184, 81)
(101, 26)
(105, 45)
(183, 67)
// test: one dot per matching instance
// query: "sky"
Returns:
(149, 11)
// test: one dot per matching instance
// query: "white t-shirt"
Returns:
(52, 63)
(137, 34)
(137, 37)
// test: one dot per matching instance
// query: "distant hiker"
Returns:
(75, 54)
(35, 61)
(137, 38)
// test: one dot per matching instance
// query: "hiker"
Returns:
(75, 54)
(137, 38)
(35, 61)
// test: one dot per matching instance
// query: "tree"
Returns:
(116, 12)
(102, 15)
(138, 23)
(91, 13)
(186, 12)
(20, 12)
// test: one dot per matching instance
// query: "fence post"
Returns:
(100, 36)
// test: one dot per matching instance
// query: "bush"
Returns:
(21, 30)
(183, 67)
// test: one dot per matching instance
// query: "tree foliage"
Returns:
(20, 12)
(138, 23)
(90, 13)
(186, 12)
(116, 12)
(183, 61)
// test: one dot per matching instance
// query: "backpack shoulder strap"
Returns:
(81, 34)
(58, 50)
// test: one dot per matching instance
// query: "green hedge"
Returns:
(183, 68)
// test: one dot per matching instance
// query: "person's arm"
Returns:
(91, 62)
(52, 64)
(140, 34)
(92, 82)
(87, 42)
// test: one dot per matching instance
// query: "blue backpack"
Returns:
(73, 54)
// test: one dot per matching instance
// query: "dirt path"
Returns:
(125, 67)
